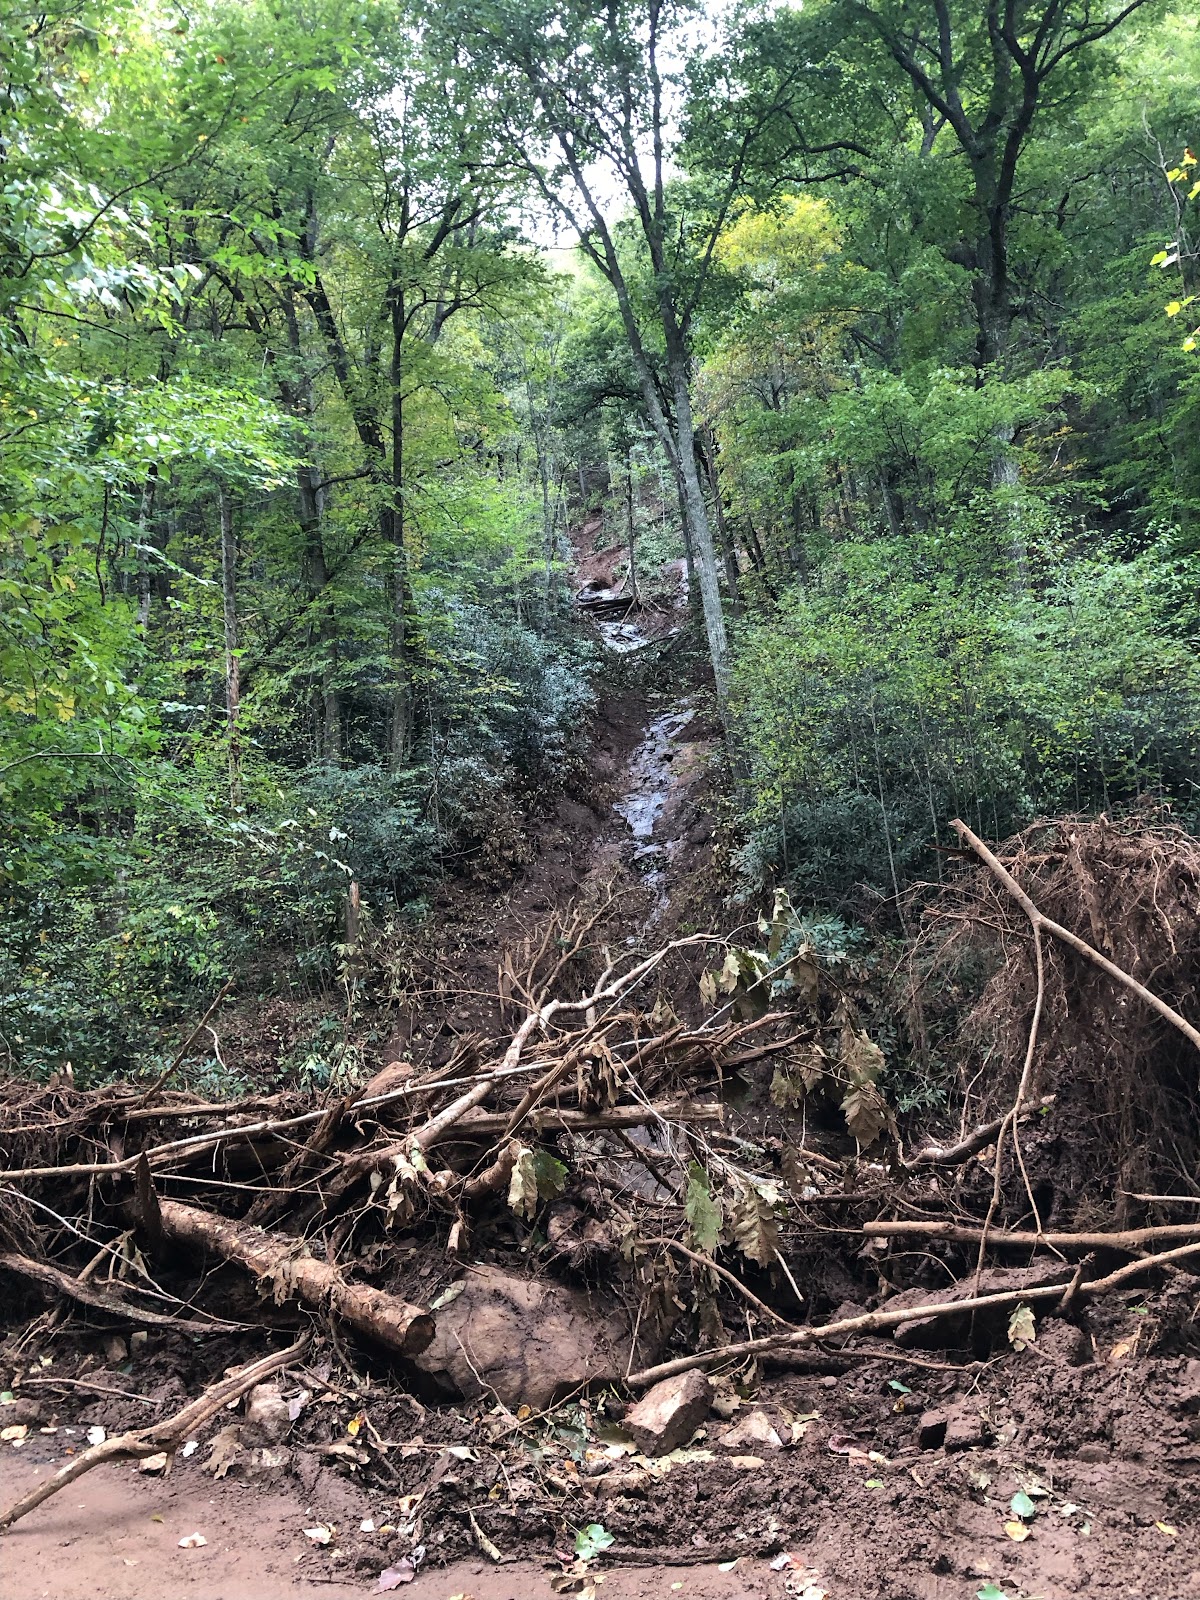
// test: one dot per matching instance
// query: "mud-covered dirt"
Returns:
(889, 1479)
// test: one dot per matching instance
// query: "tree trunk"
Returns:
(145, 510)
(229, 610)
(328, 710)
(629, 528)
(704, 554)
(398, 742)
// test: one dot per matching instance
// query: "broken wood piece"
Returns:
(115, 1305)
(1127, 1239)
(279, 1262)
(953, 1155)
(165, 1436)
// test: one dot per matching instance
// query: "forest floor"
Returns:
(885, 1473)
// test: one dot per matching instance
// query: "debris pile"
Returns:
(619, 1209)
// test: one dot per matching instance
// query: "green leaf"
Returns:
(702, 1211)
(590, 1541)
(550, 1174)
(1022, 1506)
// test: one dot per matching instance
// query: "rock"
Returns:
(267, 1415)
(931, 1430)
(965, 1429)
(958, 1427)
(667, 1415)
(1092, 1452)
(21, 1410)
(753, 1429)
(115, 1350)
(137, 1342)
(523, 1340)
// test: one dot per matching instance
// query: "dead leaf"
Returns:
(96, 1435)
(522, 1186)
(156, 1463)
(1022, 1330)
(747, 1463)
(755, 1231)
(490, 1550)
(1017, 1531)
(225, 1451)
(754, 1428)
(320, 1534)
(346, 1451)
(192, 1541)
(393, 1577)
(866, 1113)
(16, 1434)
(1167, 1529)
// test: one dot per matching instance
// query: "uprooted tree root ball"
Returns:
(1126, 1123)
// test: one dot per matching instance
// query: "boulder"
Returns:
(667, 1415)
(525, 1341)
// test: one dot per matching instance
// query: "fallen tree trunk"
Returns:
(279, 1263)
(160, 1437)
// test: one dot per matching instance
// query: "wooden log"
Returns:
(279, 1262)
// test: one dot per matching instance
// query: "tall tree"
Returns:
(591, 103)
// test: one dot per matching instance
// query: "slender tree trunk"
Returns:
(704, 554)
(328, 709)
(630, 538)
(725, 537)
(144, 585)
(398, 743)
(229, 609)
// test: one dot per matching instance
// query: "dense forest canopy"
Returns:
(323, 327)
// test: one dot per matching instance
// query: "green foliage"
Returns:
(897, 695)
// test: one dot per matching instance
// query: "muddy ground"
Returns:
(891, 1478)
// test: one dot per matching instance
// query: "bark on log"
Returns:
(274, 1260)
